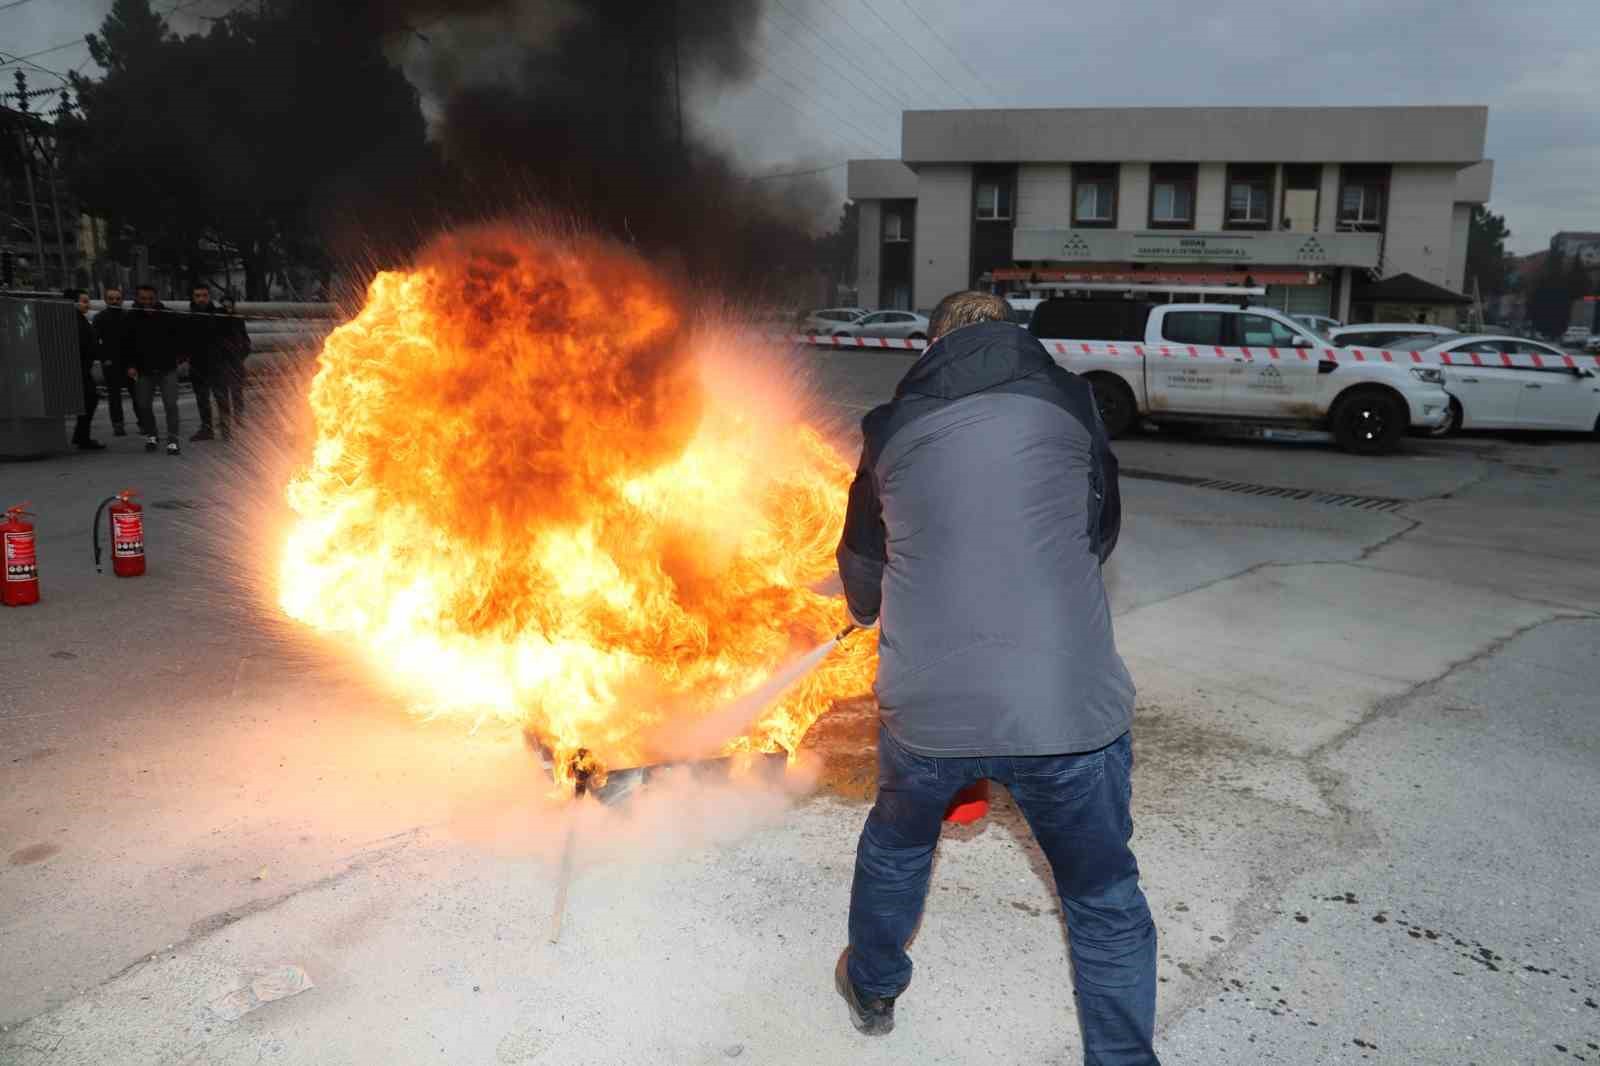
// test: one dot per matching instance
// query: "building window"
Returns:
(1094, 195)
(1172, 188)
(994, 201)
(1363, 196)
(1302, 197)
(1249, 197)
(894, 227)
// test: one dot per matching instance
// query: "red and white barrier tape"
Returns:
(826, 341)
(1531, 360)
(1081, 349)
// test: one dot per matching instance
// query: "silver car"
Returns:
(895, 325)
(830, 320)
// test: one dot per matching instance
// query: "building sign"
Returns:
(1281, 248)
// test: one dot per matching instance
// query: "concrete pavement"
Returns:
(1346, 715)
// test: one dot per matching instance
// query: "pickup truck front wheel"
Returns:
(1369, 421)
(1115, 401)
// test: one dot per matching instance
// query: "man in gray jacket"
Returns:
(984, 505)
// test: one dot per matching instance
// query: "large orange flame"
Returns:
(536, 496)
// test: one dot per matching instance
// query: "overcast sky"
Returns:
(832, 76)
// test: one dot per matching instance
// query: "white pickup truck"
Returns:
(1223, 363)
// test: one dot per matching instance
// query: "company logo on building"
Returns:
(1312, 251)
(1076, 246)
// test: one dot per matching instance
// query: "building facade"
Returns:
(1313, 203)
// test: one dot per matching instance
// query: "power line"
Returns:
(14, 3)
(871, 139)
(829, 64)
(901, 100)
(946, 44)
(786, 102)
(882, 53)
(26, 62)
(47, 51)
(917, 51)
(797, 173)
(804, 76)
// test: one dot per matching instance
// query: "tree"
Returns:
(1550, 295)
(1487, 262)
(241, 143)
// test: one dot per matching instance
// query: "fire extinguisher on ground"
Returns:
(127, 534)
(19, 583)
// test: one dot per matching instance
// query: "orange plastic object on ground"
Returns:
(970, 804)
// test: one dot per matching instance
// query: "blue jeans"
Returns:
(1078, 809)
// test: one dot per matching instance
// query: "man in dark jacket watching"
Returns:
(201, 334)
(108, 326)
(149, 351)
(88, 355)
(985, 503)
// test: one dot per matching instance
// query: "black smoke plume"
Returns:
(580, 108)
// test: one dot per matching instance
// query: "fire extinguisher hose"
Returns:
(98, 511)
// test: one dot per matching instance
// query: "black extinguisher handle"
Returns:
(98, 511)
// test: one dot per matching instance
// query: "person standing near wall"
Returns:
(233, 348)
(108, 326)
(88, 355)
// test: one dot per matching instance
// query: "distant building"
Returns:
(1585, 246)
(1318, 204)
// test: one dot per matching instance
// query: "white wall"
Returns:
(1421, 223)
(1133, 196)
(1210, 188)
(869, 252)
(1328, 203)
(1456, 270)
(1044, 196)
(944, 232)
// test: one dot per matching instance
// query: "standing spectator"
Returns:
(149, 351)
(202, 337)
(109, 325)
(88, 355)
(234, 348)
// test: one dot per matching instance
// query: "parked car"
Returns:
(901, 325)
(1318, 323)
(1496, 396)
(830, 320)
(1260, 367)
(1575, 336)
(1593, 343)
(1384, 334)
(1022, 308)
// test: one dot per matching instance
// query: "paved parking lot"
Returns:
(1367, 755)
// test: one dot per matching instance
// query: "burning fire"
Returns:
(537, 495)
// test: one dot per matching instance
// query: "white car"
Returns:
(1383, 335)
(1575, 336)
(1318, 323)
(1491, 396)
(830, 320)
(1593, 343)
(899, 325)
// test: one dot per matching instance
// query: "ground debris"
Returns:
(280, 982)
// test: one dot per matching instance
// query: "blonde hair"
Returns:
(965, 309)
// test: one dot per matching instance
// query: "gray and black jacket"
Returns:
(984, 505)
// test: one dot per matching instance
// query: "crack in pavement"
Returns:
(379, 851)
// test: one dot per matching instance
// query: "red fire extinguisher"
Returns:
(19, 584)
(970, 804)
(127, 534)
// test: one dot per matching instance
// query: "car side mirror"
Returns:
(1302, 341)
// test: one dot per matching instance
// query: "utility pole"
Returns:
(54, 159)
(27, 170)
